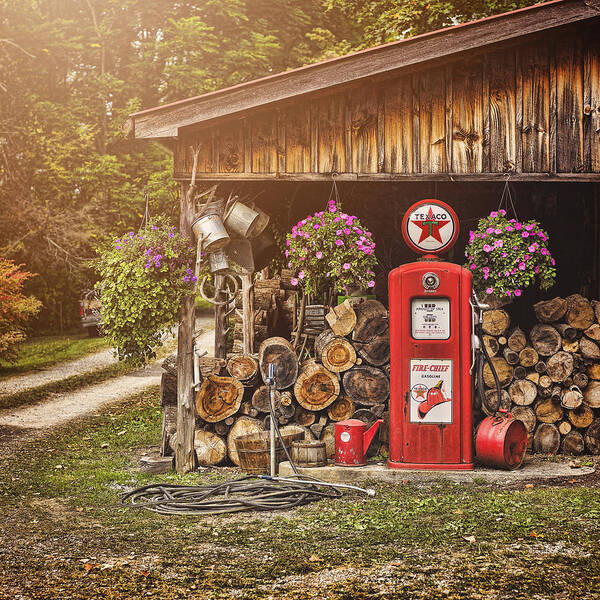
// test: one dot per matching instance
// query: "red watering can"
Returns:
(352, 441)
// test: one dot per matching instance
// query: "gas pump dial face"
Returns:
(430, 227)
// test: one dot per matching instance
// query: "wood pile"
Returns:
(275, 307)
(348, 376)
(551, 375)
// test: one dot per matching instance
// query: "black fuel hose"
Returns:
(483, 355)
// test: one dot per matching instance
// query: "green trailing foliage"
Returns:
(144, 278)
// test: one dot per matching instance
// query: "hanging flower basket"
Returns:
(507, 256)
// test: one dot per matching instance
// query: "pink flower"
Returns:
(287, 253)
(517, 292)
(301, 275)
(347, 231)
(493, 214)
(338, 232)
(471, 236)
(487, 248)
(544, 251)
(319, 254)
(489, 290)
(532, 248)
(509, 228)
(518, 226)
(504, 255)
(536, 270)
(497, 231)
(486, 269)
(524, 234)
(339, 242)
(371, 284)
(289, 265)
(337, 220)
(332, 209)
(522, 266)
(502, 212)
(287, 242)
(552, 262)
(486, 275)
(498, 243)
(526, 257)
(294, 281)
(529, 227)
(346, 266)
(509, 293)
(472, 267)
(506, 273)
(316, 226)
(489, 230)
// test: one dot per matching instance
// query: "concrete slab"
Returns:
(533, 468)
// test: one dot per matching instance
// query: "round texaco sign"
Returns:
(430, 227)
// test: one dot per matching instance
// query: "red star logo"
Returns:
(430, 227)
(420, 393)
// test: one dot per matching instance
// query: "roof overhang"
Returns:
(164, 122)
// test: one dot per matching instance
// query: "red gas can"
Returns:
(352, 441)
(501, 441)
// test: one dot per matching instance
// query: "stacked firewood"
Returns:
(348, 376)
(275, 307)
(550, 377)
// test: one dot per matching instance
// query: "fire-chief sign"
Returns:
(430, 391)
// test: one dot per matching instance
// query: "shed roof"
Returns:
(165, 121)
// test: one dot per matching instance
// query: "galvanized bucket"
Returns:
(217, 261)
(242, 219)
(264, 248)
(210, 229)
(261, 222)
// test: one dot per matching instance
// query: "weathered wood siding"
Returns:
(529, 108)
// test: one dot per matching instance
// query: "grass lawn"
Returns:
(65, 535)
(40, 352)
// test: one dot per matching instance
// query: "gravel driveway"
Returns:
(69, 405)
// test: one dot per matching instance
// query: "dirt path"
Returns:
(70, 405)
(91, 362)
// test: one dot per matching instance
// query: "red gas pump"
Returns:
(430, 338)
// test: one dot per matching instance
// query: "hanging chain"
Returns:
(507, 198)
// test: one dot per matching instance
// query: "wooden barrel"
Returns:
(253, 450)
(309, 453)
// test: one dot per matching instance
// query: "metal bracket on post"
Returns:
(271, 385)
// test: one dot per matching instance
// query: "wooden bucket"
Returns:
(309, 453)
(254, 450)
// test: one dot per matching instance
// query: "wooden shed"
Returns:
(452, 114)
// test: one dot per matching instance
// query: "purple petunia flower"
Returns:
(371, 284)
(489, 290)
(517, 292)
(339, 242)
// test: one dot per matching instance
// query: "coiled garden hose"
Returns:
(239, 495)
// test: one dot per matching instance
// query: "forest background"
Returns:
(71, 71)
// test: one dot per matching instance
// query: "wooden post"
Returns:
(185, 459)
(248, 311)
(220, 318)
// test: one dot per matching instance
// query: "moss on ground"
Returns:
(61, 493)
